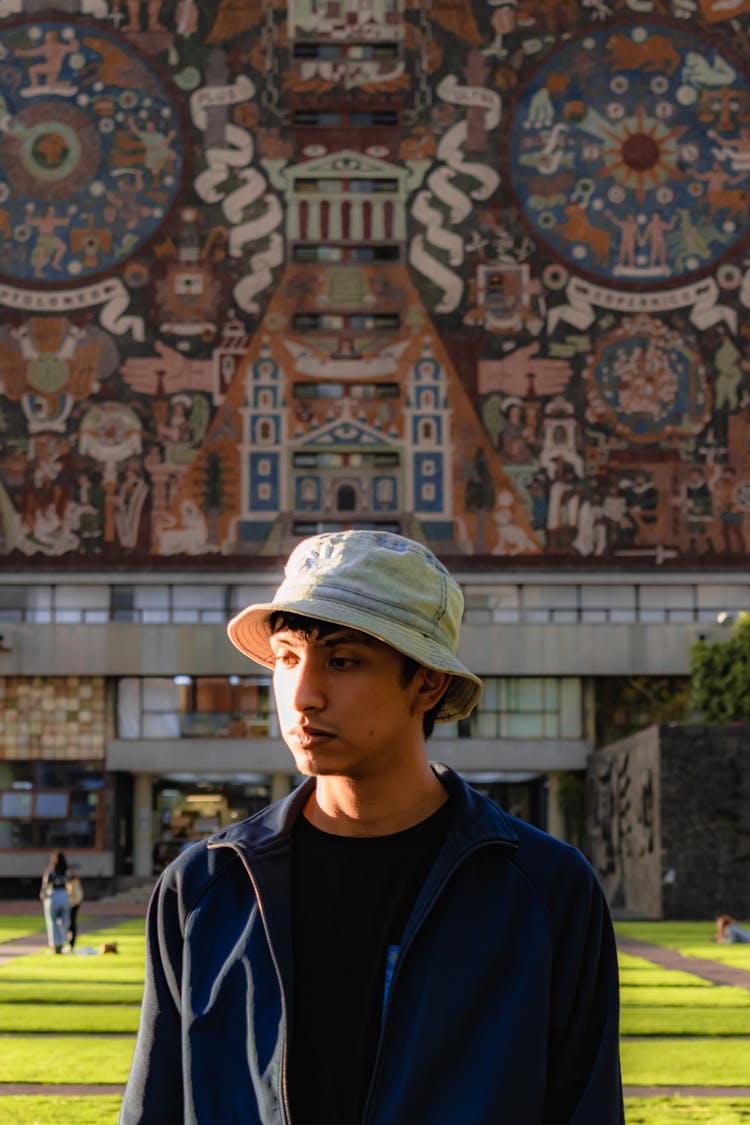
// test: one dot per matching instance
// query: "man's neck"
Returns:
(345, 807)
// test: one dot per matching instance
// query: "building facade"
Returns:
(472, 272)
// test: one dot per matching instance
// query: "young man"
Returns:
(384, 946)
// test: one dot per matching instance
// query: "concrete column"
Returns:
(356, 221)
(313, 220)
(555, 820)
(143, 828)
(377, 230)
(279, 786)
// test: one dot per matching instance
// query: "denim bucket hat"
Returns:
(383, 584)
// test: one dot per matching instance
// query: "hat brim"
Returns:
(250, 632)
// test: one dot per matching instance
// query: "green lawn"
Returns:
(686, 1031)
(679, 1021)
(20, 925)
(88, 1019)
(65, 1059)
(99, 1110)
(685, 1111)
(679, 1029)
(686, 1062)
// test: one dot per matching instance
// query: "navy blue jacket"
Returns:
(503, 1006)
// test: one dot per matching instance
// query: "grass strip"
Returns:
(20, 925)
(46, 969)
(74, 1059)
(685, 1111)
(32, 1109)
(685, 1062)
(27, 991)
(88, 1019)
(715, 996)
(678, 1021)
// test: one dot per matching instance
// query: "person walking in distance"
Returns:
(55, 901)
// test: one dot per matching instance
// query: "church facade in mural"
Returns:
(477, 273)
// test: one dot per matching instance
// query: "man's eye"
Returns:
(342, 661)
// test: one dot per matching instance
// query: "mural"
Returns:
(478, 273)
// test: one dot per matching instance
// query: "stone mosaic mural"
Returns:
(474, 272)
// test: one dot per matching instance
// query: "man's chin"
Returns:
(310, 766)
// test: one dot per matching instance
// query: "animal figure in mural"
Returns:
(474, 273)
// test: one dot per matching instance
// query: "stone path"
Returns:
(713, 971)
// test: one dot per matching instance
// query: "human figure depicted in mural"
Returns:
(152, 8)
(629, 238)
(562, 515)
(642, 499)
(731, 513)
(479, 492)
(157, 154)
(729, 364)
(321, 961)
(514, 445)
(718, 184)
(622, 529)
(699, 512)
(653, 237)
(49, 248)
(54, 50)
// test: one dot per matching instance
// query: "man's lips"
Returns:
(309, 735)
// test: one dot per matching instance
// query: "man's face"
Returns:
(343, 707)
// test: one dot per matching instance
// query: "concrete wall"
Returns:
(669, 821)
(624, 823)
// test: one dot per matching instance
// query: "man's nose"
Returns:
(308, 692)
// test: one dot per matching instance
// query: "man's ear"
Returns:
(431, 687)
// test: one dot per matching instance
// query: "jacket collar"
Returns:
(475, 821)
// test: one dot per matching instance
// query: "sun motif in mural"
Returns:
(629, 155)
(641, 152)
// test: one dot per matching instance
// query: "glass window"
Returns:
(16, 803)
(87, 604)
(13, 602)
(527, 707)
(51, 804)
(198, 604)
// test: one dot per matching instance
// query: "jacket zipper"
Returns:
(404, 949)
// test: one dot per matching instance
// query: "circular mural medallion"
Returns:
(90, 152)
(647, 382)
(630, 154)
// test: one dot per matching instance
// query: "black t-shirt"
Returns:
(351, 899)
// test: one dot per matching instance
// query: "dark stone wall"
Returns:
(669, 821)
(623, 823)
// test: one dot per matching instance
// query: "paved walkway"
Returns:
(95, 914)
(713, 971)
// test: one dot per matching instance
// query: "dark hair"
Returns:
(303, 626)
(61, 865)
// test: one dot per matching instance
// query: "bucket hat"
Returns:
(383, 584)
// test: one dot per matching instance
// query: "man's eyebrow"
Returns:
(343, 635)
(347, 636)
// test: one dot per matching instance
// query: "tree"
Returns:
(720, 675)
